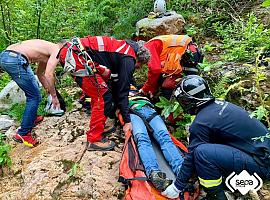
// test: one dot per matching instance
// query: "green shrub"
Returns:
(242, 39)
(4, 80)
(5, 149)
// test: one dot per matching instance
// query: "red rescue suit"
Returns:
(106, 94)
(166, 52)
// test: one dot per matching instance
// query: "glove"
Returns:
(171, 192)
(49, 109)
(149, 94)
(142, 92)
(127, 127)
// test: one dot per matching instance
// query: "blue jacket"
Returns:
(221, 122)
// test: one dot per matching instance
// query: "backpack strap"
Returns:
(137, 178)
(149, 119)
(127, 180)
(83, 57)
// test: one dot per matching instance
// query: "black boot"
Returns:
(159, 180)
(216, 195)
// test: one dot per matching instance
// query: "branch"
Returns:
(39, 11)
(4, 23)
(233, 11)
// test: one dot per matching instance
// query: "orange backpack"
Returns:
(174, 46)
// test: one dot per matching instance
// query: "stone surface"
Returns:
(5, 122)
(150, 27)
(43, 172)
(11, 94)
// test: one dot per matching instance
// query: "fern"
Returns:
(220, 88)
(260, 113)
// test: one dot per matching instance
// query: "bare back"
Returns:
(37, 51)
(44, 54)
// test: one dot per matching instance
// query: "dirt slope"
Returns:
(42, 172)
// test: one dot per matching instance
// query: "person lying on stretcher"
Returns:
(144, 120)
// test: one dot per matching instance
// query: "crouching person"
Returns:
(15, 60)
(143, 115)
(103, 67)
(221, 141)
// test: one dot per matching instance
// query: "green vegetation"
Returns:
(230, 30)
(53, 20)
(262, 110)
(242, 39)
(4, 79)
(174, 108)
(16, 111)
(266, 3)
(5, 160)
(169, 107)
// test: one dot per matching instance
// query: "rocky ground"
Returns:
(45, 172)
(49, 170)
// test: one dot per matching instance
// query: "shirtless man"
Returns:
(15, 61)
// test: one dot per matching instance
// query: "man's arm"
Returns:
(154, 67)
(45, 73)
(40, 74)
(198, 135)
(125, 77)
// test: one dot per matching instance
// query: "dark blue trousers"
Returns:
(214, 161)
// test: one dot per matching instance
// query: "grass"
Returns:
(4, 80)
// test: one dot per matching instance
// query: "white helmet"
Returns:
(160, 6)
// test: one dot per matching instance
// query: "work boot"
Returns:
(102, 145)
(216, 195)
(27, 140)
(109, 126)
(159, 180)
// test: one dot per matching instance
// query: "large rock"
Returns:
(164, 24)
(12, 94)
(5, 122)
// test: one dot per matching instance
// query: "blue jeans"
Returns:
(161, 135)
(20, 71)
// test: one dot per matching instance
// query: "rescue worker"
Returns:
(15, 60)
(103, 67)
(221, 141)
(171, 56)
(145, 121)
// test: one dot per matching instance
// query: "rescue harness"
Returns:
(85, 60)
